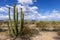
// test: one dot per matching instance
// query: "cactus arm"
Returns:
(10, 23)
(15, 20)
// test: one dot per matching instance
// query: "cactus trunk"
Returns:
(15, 20)
(10, 23)
(21, 20)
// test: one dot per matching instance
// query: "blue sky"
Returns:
(33, 9)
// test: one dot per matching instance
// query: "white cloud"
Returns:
(3, 9)
(29, 12)
(9, 6)
(55, 11)
(4, 12)
(3, 17)
(54, 15)
(25, 1)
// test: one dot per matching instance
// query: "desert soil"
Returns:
(45, 36)
(42, 35)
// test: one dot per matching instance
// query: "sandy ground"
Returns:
(39, 35)
(45, 36)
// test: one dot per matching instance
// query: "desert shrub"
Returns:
(26, 31)
(54, 24)
(41, 24)
(25, 22)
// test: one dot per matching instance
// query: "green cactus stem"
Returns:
(15, 18)
(10, 23)
(21, 20)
